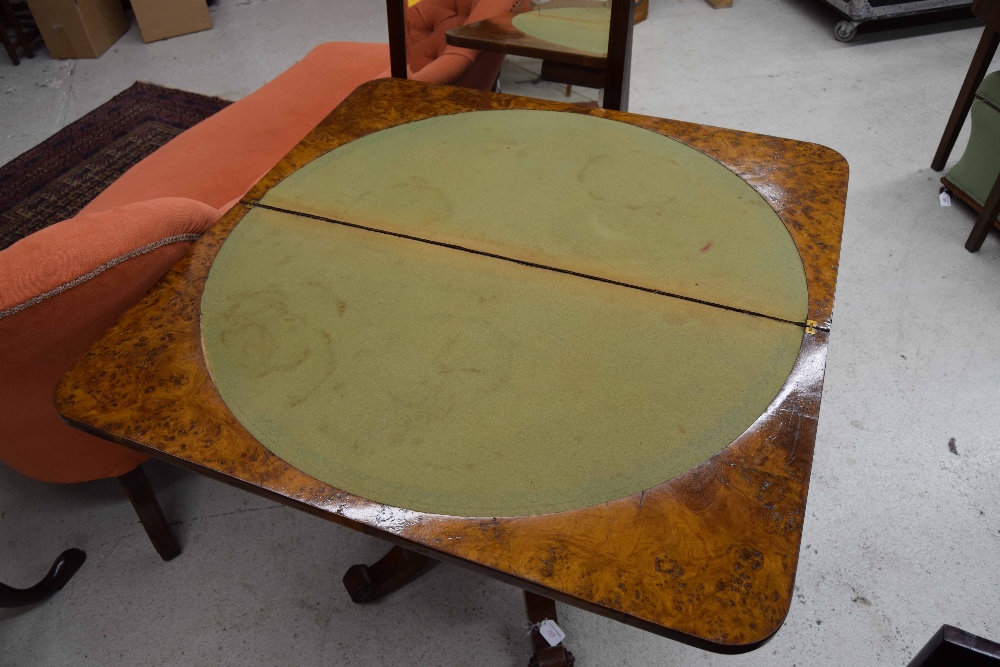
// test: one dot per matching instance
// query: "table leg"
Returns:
(393, 571)
(61, 572)
(137, 488)
(7, 16)
(538, 609)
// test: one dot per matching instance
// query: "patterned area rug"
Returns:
(56, 179)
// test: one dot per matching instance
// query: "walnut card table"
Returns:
(578, 350)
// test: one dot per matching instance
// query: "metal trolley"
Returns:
(862, 11)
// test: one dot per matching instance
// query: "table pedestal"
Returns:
(400, 566)
(393, 571)
(538, 609)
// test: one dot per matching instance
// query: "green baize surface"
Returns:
(439, 380)
(580, 28)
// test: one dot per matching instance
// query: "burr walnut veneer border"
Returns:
(707, 558)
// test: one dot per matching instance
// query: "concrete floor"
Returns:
(902, 534)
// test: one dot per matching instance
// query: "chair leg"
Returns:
(977, 70)
(11, 51)
(59, 574)
(25, 35)
(987, 216)
(138, 490)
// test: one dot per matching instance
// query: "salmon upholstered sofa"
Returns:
(61, 287)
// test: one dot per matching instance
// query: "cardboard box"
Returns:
(159, 19)
(79, 28)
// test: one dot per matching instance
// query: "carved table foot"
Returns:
(394, 570)
(61, 572)
(540, 608)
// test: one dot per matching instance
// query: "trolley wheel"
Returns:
(845, 31)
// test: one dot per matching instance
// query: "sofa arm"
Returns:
(60, 288)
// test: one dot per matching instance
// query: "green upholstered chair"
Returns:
(974, 177)
(977, 169)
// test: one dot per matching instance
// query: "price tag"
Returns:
(552, 633)
(944, 198)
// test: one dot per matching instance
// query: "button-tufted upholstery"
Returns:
(431, 59)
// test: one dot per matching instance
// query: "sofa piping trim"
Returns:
(149, 247)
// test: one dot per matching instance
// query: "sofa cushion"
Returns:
(426, 23)
(431, 59)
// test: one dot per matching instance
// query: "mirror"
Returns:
(579, 42)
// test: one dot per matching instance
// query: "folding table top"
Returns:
(500, 313)
(580, 350)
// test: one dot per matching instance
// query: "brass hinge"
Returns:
(811, 326)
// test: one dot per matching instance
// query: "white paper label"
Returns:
(945, 199)
(553, 633)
